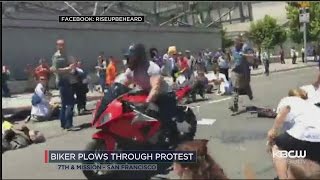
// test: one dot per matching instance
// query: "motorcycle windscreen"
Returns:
(111, 93)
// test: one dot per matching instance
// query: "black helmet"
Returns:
(137, 50)
(153, 52)
(136, 56)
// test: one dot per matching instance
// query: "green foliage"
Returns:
(266, 33)
(226, 42)
(280, 36)
(313, 28)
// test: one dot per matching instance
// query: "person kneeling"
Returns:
(41, 109)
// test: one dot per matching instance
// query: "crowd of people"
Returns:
(296, 126)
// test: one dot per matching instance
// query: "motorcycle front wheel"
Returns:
(96, 145)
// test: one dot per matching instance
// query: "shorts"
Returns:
(287, 142)
(239, 81)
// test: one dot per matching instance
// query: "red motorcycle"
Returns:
(123, 127)
(187, 90)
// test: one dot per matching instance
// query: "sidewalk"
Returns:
(23, 101)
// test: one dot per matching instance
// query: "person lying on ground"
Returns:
(204, 168)
(301, 125)
(20, 137)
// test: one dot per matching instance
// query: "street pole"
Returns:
(304, 18)
(305, 41)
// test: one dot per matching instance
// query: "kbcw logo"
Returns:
(290, 154)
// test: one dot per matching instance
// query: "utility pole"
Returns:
(304, 18)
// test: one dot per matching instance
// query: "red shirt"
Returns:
(183, 63)
(42, 70)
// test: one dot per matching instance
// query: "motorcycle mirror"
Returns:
(140, 117)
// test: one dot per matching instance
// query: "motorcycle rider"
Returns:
(147, 75)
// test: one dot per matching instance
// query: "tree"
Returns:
(267, 33)
(280, 36)
(226, 42)
(313, 28)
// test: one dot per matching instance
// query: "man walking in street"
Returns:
(282, 56)
(302, 54)
(266, 61)
(4, 82)
(63, 72)
(241, 72)
(293, 54)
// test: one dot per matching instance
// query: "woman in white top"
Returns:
(42, 110)
(300, 121)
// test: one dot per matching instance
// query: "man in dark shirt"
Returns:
(63, 72)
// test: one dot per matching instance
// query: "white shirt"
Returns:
(303, 120)
(141, 77)
(224, 86)
(223, 63)
(313, 94)
(292, 52)
(43, 108)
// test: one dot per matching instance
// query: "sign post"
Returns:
(304, 18)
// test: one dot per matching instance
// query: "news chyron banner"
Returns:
(116, 160)
(101, 18)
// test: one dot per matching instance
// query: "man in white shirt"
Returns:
(293, 55)
(266, 61)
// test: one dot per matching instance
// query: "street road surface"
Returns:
(234, 140)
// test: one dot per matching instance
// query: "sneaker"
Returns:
(27, 119)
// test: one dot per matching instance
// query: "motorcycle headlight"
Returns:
(106, 118)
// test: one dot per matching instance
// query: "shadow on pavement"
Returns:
(239, 112)
(241, 136)
(163, 169)
(85, 126)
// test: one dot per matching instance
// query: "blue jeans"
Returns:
(67, 104)
(102, 83)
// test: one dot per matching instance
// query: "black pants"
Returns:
(287, 142)
(294, 59)
(5, 89)
(225, 71)
(80, 90)
(167, 105)
(266, 67)
(282, 60)
(302, 56)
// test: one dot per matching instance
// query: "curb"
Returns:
(11, 110)
(284, 70)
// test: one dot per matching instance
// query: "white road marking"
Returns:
(219, 100)
(206, 121)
